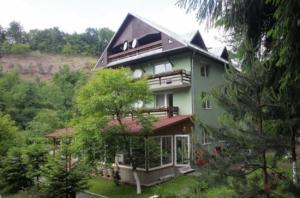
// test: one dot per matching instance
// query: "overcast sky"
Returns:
(76, 15)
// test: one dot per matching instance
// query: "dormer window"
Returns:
(161, 68)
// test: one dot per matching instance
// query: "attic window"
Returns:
(125, 46)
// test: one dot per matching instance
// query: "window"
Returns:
(204, 70)
(160, 101)
(182, 150)
(161, 68)
(154, 152)
(164, 100)
(160, 151)
(205, 101)
(166, 148)
(206, 137)
(137, 152)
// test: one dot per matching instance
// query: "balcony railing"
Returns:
(135, 51)
(162, 111)
(170, 80)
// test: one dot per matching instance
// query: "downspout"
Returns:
(193, 106)
(192, 81)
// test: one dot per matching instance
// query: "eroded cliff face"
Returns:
(43, 66)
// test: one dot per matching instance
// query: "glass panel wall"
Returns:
(182, 150)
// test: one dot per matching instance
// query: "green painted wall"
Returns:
(214, 79)
(181, 97)
(189, 99)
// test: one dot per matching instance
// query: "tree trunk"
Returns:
(137, 182)
(266, 177)
(294, 156)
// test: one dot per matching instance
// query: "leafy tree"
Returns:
(15, 33)
(111, 92)
(48, 40)
(8, 134)
(64, 179)
(67, 82)
(25, 103)
(44, 122)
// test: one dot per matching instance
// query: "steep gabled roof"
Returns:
(191, 41)
(220, 52)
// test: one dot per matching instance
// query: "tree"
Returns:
(14, 171)
(15, 33)
(112, 92)
(272, 28)
(8, 134)
(49, 40)
(44, 122)
(35, 158)
(62, 177)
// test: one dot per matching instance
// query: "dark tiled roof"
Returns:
(162, 123)
(58, 133)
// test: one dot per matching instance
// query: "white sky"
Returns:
(76, 15)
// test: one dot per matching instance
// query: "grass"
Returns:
(109, 189)
(179, 185)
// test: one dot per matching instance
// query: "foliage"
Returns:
(14, 40)
(44, 122)
(62, 177)
(35, 158)
(31, 103)
(108, 92)
(8, 134)
(14, 171)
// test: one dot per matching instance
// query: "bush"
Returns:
(17, 48)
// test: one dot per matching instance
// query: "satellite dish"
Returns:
(125, 45)
(139, 104)
(138, 73)
(134, 43)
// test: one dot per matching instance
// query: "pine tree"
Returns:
(14, 171)
(248, 126)
(63, 179)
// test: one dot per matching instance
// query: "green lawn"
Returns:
(108, 188)
(179, 185)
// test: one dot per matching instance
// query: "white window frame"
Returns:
(165, 99)
(172, 158)
(206, 136)
(165, 68)
(205, 67)
(189, 149)
(206, 102)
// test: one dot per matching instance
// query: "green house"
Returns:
(181, 72)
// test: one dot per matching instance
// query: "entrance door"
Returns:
(182, 150)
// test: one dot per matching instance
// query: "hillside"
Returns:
(40, 65)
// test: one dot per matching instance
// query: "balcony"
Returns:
(136, 51)
(170, 80)
(162, 111)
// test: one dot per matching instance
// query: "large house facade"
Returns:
(181, 72)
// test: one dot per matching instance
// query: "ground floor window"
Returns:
(182, 149)
(157, 151)
(160, 151)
